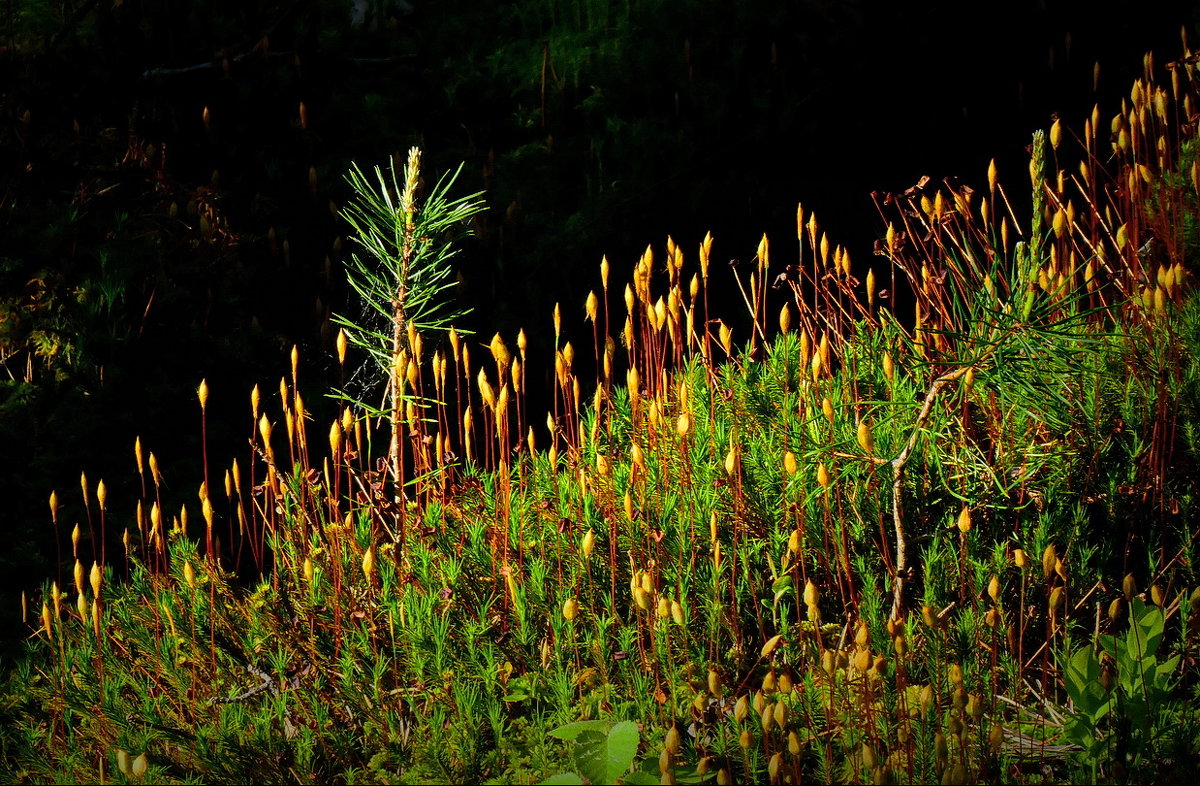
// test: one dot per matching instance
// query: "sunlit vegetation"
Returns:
(935, 525)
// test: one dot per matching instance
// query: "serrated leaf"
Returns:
(623, 741)
(603, 758)
(591, 755)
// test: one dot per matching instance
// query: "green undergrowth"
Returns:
(825, 541)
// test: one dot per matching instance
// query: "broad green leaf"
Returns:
(1166, 672)
(1080, 731)
(640, 779)
(781, 586)
(1082, 677)
(647, 766)
(564, 778)
(605, 758)
(1137, 713)
(1145, 671)
(623, 745)
(591, 755)
(1146, 626)
(1108, 644)
(1126, 656)
(572, 730)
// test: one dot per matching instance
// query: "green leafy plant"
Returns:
(603, 750)
(1122, 697)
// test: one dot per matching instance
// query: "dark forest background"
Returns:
(170, 175)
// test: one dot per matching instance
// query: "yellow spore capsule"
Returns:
(96, 577)
(866, 440)
(964, 520)
(811, 594)
(789, 462)
(1049, 557)
(823, 479)
(368, 563)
